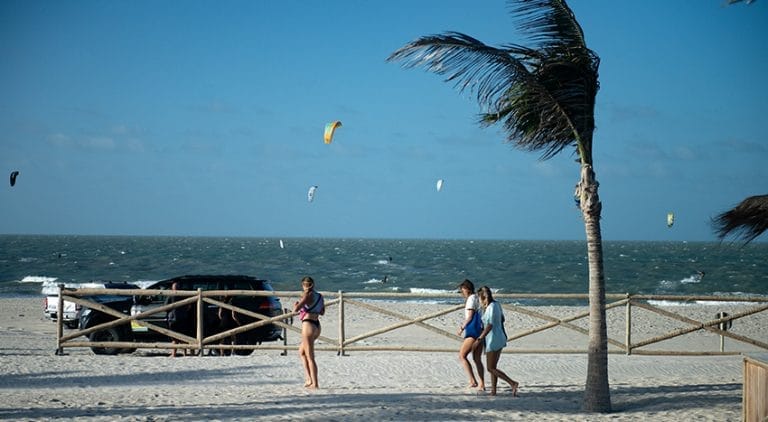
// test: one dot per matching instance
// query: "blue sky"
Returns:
(206, 118)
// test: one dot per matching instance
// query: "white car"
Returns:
(71, 310)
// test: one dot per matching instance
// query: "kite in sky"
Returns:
(670, 219)
(13, 177)
(439, 185)
(311, 193)
(330, 128)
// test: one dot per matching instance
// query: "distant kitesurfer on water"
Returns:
(700, 274)
(385, 280)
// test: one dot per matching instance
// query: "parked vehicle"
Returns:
(265, 305)
(71, 310)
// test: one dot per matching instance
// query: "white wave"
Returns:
(426, 291)
(691, 279)
(38, 279)
(374, 281)
(662, 303)
(144, 283)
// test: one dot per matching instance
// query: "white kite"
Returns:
(311, 193)
(439, 185)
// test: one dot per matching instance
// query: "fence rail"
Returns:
(444, 309)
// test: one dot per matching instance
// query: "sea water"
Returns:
(28, 264)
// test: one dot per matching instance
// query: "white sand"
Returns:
(149, 386)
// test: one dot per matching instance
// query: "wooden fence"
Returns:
(532, 316)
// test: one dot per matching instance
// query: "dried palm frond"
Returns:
(747, 220)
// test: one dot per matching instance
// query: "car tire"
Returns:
(110, 334)
(243, 352)
(71, 325)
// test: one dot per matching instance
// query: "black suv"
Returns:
(266, 305)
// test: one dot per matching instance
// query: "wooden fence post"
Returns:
(341, 324)
(628, 328)
(59, 322)
(199, 321)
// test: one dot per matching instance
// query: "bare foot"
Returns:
(481, 387)
(514, 389)
(472, 384)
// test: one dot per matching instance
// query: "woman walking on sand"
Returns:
(471, 327)
(495, 339)
(310, 306)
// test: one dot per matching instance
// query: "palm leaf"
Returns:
(543, 96)
(747, 220)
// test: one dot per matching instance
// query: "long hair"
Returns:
(485, 294)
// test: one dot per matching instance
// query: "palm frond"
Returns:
(543, 97)
(548, 23)
(748, 220)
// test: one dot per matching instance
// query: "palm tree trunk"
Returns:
(597, 395)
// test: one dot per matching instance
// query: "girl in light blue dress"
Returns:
(495, 339)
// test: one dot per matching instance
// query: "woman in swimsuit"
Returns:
(310, 307)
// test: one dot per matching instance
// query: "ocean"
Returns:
(28, 264)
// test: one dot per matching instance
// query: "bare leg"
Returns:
(492, 360)
(312, 364)
(464, 351)
(477, 355)
(305, 363)
(309, 334)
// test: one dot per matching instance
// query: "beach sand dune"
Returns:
(149, 386)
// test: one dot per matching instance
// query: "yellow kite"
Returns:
(330, 128)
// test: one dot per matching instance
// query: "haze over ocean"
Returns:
(511, 266)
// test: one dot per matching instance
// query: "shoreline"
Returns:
(377, 385)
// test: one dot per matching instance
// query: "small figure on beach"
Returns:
(178, 318)
(227, 320)
(310, 306)
(495, 338)
(471, 326)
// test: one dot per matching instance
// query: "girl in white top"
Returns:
(471, 333)
(495, 338)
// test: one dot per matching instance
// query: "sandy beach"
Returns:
(374, 385)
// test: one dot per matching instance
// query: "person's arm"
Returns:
(469, 319)
(466, 321)
(301, 302)
(487, 326)
(487, 329)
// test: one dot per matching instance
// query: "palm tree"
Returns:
(747, 220)
(544, 98)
